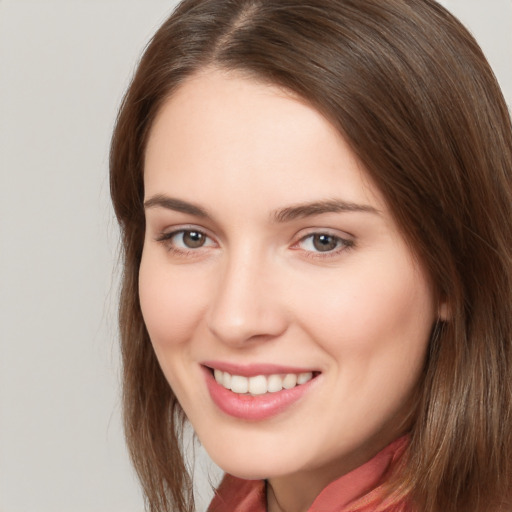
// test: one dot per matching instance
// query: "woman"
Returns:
(315, 204)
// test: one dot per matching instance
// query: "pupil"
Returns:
(193, 239)
(324, 243)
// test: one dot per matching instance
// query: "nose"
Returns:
(247, 306)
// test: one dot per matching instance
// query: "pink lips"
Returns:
(253, 408)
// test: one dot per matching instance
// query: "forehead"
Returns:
(218, 129)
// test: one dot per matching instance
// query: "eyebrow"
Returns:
(170, 203)
(303, 210)
(298, 211)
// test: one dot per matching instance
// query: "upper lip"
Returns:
(251, 370)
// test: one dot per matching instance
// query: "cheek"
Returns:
(375, 327)
(378, 318)
(172, 303)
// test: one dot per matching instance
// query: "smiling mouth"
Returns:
(261, 384)
(257, 392)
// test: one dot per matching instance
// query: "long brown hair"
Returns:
(411, 92)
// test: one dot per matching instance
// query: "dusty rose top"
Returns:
(360, 485)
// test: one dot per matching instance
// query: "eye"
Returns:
(323, 243)
(186, 240)
(191, 239)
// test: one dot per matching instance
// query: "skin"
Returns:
(259, 290)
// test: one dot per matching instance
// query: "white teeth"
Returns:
(258, 385)
(304, 377)
(261, 384)
(226, 380)
(239, 384)
(274, 383)
(290, 381)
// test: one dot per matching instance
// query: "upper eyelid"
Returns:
(346, 240)
(173, 230)
(158, 223)
(167, 234)
(342, 235)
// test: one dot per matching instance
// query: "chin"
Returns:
(251, 462)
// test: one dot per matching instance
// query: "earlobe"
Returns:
(443, 312)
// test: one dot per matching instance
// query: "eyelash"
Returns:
(342, 244)
(167, 240)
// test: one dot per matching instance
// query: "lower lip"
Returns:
(254, 408)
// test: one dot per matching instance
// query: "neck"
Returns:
(290, 501)
(297, 492)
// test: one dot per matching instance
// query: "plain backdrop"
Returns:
(64, 65)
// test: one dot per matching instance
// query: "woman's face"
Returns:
(272, 264)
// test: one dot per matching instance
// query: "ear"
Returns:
(443, 312)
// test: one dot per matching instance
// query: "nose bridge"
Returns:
(246, 303)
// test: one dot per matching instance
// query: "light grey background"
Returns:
(64, 65)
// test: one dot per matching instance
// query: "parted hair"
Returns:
(411, 92)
